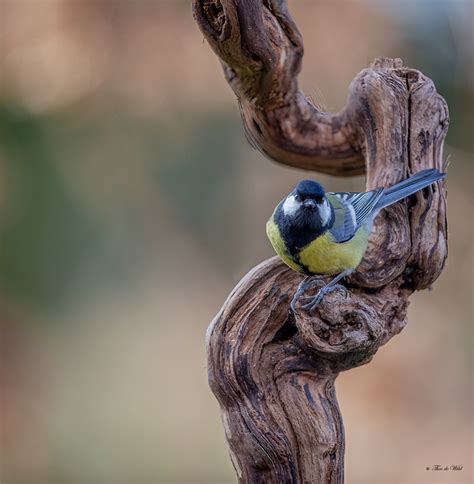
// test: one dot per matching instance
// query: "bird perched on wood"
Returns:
(319, 233)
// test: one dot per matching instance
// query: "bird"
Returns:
(326, 233)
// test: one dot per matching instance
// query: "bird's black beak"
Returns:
(310, 203)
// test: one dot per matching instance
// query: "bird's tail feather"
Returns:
(409, 186)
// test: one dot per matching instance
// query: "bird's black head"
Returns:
(309, 193)
(309, 188)
(304, 214)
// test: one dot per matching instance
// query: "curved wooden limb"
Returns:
(273, 370)
(261, 49)
(279, 409)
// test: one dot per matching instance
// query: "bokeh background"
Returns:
(131, 204)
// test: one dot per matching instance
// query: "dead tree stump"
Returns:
(272, 371)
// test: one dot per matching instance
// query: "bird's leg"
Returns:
(301, 288)
(316, 299)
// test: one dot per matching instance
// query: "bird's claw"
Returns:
(316, 299)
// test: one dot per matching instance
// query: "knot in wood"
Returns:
(215, 15)
(344, 328)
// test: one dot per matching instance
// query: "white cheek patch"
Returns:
(290, 205)
(324, 212)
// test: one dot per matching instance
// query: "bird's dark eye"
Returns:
(319, 199)
(297, 198)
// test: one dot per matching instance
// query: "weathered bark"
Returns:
(273, 371)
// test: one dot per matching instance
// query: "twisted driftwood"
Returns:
(272, 371)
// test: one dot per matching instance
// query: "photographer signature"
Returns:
(437, 467)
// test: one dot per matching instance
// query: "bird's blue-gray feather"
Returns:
(352, 209)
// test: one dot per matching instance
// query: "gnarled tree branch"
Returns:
(273, 371)
(261, 49)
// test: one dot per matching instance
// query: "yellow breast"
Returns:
(323, 255)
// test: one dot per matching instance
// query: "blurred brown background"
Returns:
(131, 204)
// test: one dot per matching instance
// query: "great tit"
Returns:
(318, 233)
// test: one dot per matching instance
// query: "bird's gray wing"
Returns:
(351, 210)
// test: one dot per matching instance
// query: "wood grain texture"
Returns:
(271, 370)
